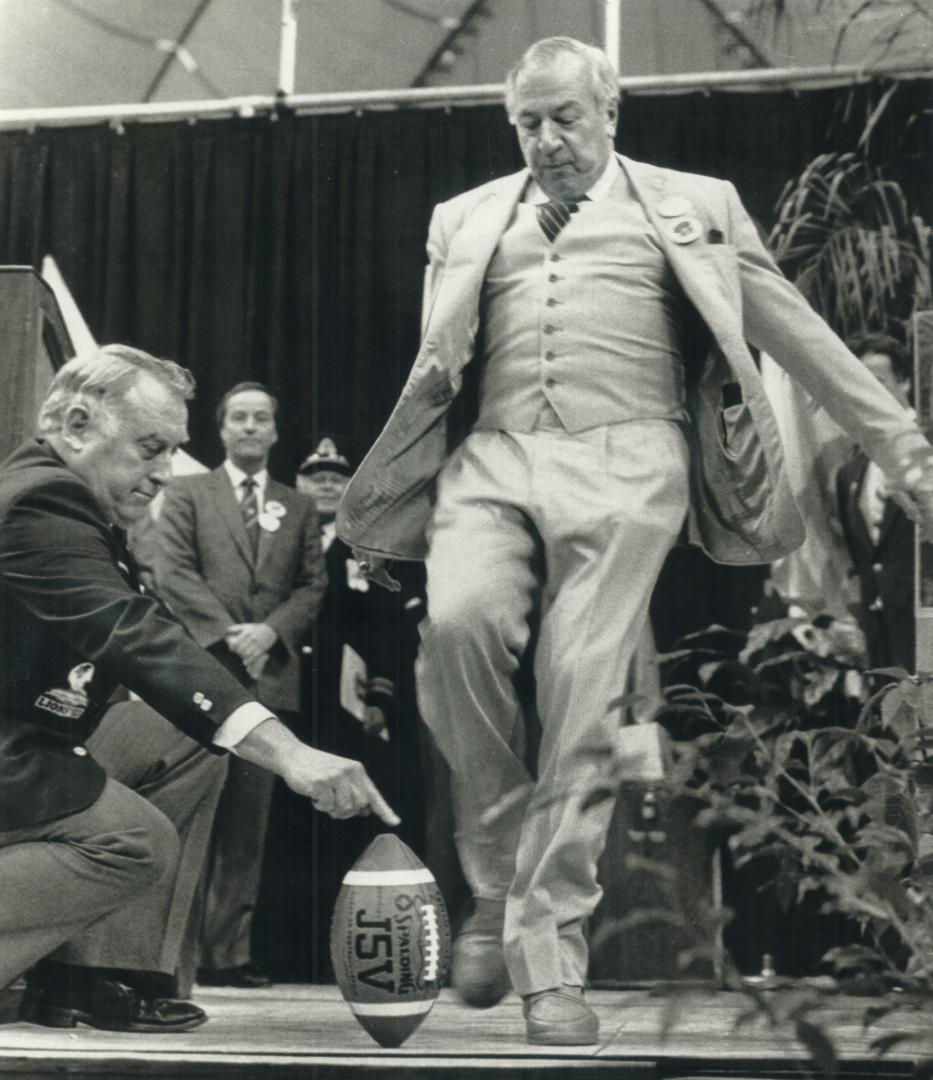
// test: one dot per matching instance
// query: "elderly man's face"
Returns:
(248, 431)
(325, 487)
(564, 135)
(124, 451)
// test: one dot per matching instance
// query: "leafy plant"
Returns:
(800, 763)
(848, 240)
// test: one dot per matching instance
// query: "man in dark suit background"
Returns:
(350, 664)
(877, 532)
(239, 561)
(91, 813)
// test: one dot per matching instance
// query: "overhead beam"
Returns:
(464, 96)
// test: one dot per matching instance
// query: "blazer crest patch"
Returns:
(71, 703)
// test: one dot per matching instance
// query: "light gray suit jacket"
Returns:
(205, 571)
(742, 509)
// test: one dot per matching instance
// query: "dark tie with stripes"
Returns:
(554, 215)
(249, 508)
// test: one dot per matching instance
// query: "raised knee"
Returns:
(142, 855)
(469, 611)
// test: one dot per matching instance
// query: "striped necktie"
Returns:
(554, 215)
(249, 508)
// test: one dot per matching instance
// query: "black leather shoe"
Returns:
(103, 1003)
(244, 977)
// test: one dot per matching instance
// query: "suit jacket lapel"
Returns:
(697, 264)
(454, 316)
(229, 508)
(857, 522)
(891, 510)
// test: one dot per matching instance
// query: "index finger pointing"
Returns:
(379, 806)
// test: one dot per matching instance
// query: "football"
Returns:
(390, 940)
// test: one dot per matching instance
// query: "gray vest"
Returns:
(583, 331)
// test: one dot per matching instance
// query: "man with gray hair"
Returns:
(600, 308)
(92, 807)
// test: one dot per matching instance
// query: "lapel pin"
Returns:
(685, 231)
(269, 521)
(275, 508)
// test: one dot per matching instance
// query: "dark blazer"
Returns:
(205, 571)
(364, 617)
(73, 627)
(885, 571)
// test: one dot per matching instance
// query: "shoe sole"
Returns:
(544, 1037)
(52, 1017)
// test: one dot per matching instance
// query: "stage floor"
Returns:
(308, 1032)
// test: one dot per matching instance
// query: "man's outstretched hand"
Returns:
(336, 785)
(915, 494)
(339, 786)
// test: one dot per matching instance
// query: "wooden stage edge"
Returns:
(307, 1032)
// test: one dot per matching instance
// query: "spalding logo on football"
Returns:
(390, 940)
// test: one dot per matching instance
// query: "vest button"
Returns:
(551, 302)
(549, 383)
(553, 277)
(549, 356)
(555, 258)
(549, 329)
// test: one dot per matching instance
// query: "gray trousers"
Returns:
(112, 886)
(567, 533)
(234, 869)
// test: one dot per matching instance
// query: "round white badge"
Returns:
(675, 206)
(268, 521)
(685, 231)
(275, 508)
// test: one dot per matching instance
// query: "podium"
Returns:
(34, 343)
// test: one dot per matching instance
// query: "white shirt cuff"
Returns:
(240, 723)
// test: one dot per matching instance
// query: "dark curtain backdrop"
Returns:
(291, 250)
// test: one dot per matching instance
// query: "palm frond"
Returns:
(846, 236)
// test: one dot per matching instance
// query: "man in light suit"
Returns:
(586, 290)
(239, 561)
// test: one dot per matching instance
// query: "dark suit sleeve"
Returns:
(293, 618)
(179, 580)
(56, 560)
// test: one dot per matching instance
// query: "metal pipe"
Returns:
(442, 97)
(613, 32)
(288, 48)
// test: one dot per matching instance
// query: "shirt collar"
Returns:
(596, 193)
(328, 534)
(237, 476)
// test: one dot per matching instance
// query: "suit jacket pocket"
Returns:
(742, 464)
